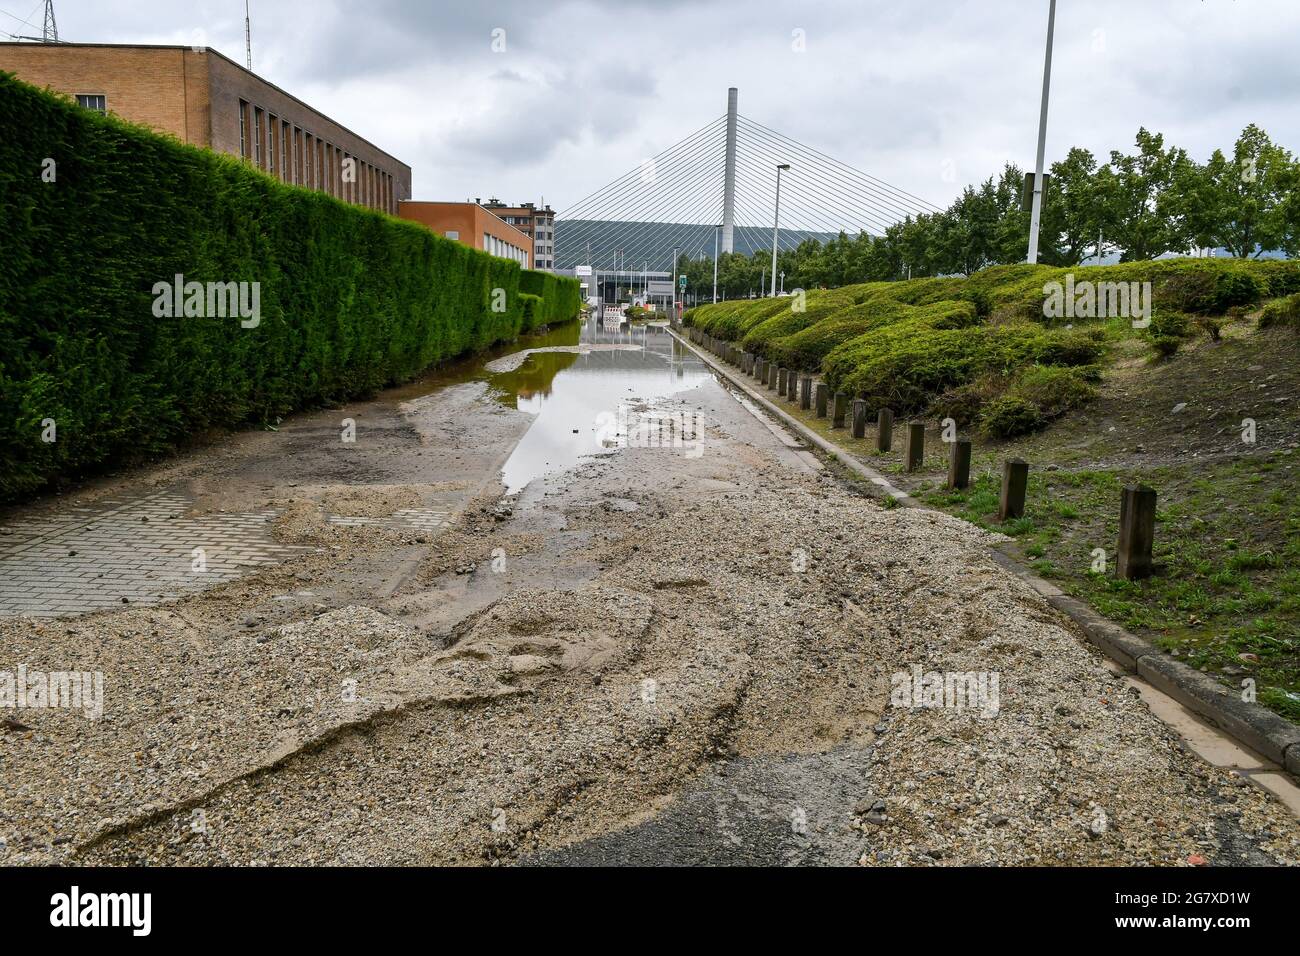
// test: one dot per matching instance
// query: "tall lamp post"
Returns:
(1036, 211)
(715, 264)
(672, 317)
(776, 218)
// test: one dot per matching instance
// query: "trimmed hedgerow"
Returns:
(561, 297)
(800, 312)
(351, 300)
(969, 347)
(903, 366)
(806, 349)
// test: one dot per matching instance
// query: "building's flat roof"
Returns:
(453, 202)
(214, 52)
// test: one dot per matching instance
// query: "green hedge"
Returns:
(972, 347)
(351, 300)
(561, 297)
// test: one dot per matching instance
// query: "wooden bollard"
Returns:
(915, 445)
(1137, 532)
(781, 376)
(959, 464)
(772, 372)
(839, 409)
(885, 430)
(758, 369)
(805, 392)
(1015, 481)
(859, 418)
(792, 386)
(821, 391)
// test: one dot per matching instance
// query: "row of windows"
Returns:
(499, 247)
(294, 155)
(529, 220)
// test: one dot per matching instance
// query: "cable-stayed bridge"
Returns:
(718, 188)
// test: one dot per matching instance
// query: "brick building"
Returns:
(472, 224)
(206, 99)
(537, 223)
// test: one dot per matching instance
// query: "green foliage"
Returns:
(791, 319)
(351, 300)
(1284, 312)
(951, 346)
(806, 349)
(964, 403)
(1008, 416)
(1053, 390)
(1244, 203)
(561, 297)
(1171, 324)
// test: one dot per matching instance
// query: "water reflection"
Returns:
(605, 372)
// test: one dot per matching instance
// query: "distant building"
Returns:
(472, 224)
(206, 99)
(537, 223)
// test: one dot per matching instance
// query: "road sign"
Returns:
(682, 281)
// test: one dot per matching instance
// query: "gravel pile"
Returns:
(721, 608)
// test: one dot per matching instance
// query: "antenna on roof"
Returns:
(51, 32)
(248, 37)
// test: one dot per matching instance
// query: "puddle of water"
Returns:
(582, 381)
(582, 398)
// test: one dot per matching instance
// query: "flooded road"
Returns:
(584, 396)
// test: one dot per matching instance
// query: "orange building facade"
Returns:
(470, 223)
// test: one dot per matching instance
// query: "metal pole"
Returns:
(716, 229)
(672, 316)
(1037, 211)
(776, 222)
(729, 176)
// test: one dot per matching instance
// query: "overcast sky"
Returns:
(925, 94)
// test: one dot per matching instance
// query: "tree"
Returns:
(1131, 188)
(1071, 210)
(1244, 203)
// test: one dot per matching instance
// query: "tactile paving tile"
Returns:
(88, 557)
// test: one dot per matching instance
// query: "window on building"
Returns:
(243, 129)
(257, 137)
(286, 152)
(270, 144)
(93, 101)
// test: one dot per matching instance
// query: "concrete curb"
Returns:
(1253, 726)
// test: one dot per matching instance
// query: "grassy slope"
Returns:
(1227, 594)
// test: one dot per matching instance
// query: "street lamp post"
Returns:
(776, 219)
(672, 316)
(715, 264)
(1036, 212)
